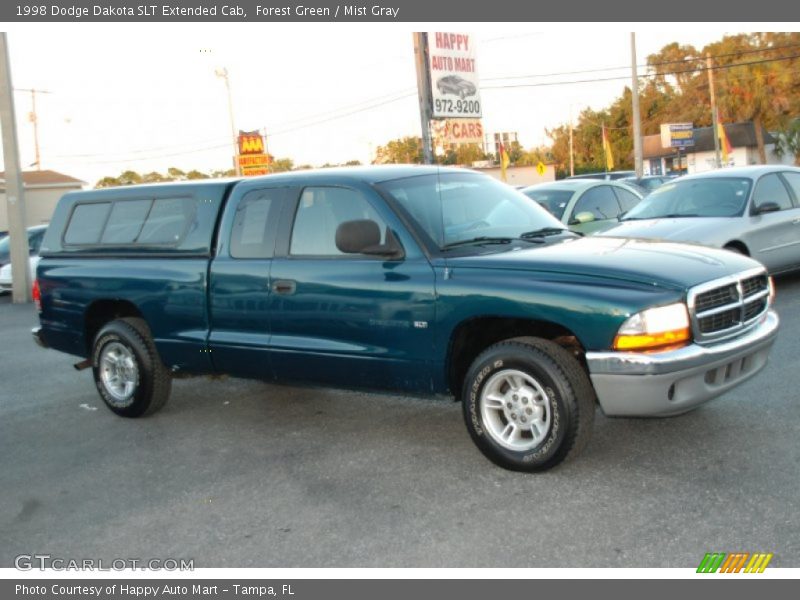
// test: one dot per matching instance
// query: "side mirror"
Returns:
(363, 236)
(766, 207)
(582, 218)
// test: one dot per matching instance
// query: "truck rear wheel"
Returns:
(528, 404)
(128, 373)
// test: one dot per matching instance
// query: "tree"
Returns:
(765, 91)
(755, 82)
(405, 150)
(129, 178)
(153, 177)
(175, 174)
(787, 141)
(107, 182)
(281, 164)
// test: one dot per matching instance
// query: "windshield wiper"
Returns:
(667, 216)
(485, 239)
(544, 231)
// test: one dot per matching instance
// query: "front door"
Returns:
(348, 319)
(774, 237)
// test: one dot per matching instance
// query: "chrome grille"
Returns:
(724, 307)
(716, 298)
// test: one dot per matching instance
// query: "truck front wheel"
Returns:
(528, 404)
(128, 373)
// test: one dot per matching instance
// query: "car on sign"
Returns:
(453, 84)
(584, 205)
(35, 236)
(751, 210)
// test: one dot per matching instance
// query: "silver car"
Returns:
(584, 205)
(750, 210)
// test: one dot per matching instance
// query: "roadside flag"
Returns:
(607, 151)
(724, 143)
(504, 161)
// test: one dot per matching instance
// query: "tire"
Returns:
(528, 404)
(128, 373)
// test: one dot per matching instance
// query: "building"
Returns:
(517, 176)
(491, 144)
(42, 192)
(701, 157)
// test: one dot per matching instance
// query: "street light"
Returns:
(222, 73)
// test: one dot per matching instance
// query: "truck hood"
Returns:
(686, 229)
(669, 265)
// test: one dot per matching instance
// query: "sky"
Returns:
(146, 97)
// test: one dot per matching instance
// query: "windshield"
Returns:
(554, 201)
(709, 197)
(454, 207)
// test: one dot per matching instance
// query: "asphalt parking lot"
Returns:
(239, 473)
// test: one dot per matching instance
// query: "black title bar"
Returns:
(401, 11)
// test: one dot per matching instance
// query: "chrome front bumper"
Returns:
(632, 384)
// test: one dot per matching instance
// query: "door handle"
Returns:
(284, 287)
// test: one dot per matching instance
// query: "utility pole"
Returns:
(424, 93)
(35, 120)
(714, 115)
(15, 201)
(638, 159)
(222, 73)
(571, 152)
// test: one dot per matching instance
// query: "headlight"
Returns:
(659, 328)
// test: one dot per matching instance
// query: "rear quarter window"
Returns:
(145, 221)
(87, 223)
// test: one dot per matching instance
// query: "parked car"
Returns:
(453, 84)
(607, 175)
(35, 236)
(750, 210)
(647, 183)
(420, 280)
(585, 205)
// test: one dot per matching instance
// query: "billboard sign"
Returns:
(453, 76)
(460, 131)
(251, 165)
(677, 135)
(250, 142)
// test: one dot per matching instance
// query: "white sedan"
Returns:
(35, 236)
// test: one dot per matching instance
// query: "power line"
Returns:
(651, 75)
(646, 65)
(222, 145)
(349, 110)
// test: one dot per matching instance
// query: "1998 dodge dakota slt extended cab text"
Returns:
(422, 280)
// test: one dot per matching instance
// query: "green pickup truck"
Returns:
(418, 280)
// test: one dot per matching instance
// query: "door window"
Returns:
(771, 189)
(320, 212)
(255, 223)
(794, 182)
(600, 201)
(627, 199)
